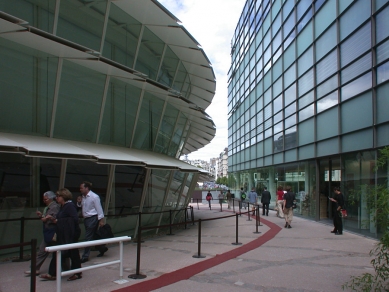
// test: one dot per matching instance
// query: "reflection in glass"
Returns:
(327, 102)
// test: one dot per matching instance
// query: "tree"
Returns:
(378, 281)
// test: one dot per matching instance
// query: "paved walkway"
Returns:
(305, 258)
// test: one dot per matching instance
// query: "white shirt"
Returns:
(91, 206)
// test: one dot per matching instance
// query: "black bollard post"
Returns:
(248, 213)
(186, 215)
(192, 215)
(170, 223)
(233, 205)
(33, 266)
(138, 275)
(256, 220)
(259, 218)
(21, 240)
(198, 208)
(236, 232)
(198, 255)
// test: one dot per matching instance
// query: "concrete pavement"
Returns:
(306, 257)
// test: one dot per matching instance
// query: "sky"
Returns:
(212, 23)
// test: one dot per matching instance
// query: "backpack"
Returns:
(243, 196)
(208, 197)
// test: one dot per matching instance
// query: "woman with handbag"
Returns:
(289, 202)
(337, 206)
(67, 231)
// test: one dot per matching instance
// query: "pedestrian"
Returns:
(209, 198)
(51, 209)
(280, 201)
(221, 199)
(92, 212)
(67, 231)
(253, 199)
(265, 200)
(229, 198)
(337, 206)
(243, 197)
(289, 199)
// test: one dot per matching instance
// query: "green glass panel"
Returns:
(357, 113)
(168, 68)
(166, 129)
(344, 4)
(327, 124)
(150, 53)
(119, 113)
(382, 23)
(27, 81)
(326, 42)
(304, 39)
(148, 122)
(364, 138)
(180, 82)
(325, 17)
(38, 13)
(79, 103)
(306, 132)
(290, 55)
(358, 13)
(327, 147)
(122, 37)
(382, 103)
(305, 61)
(82, 24)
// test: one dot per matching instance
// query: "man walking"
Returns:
(92, 212)
(265, 200)
(253, 197)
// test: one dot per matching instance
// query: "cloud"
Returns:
(212, 23)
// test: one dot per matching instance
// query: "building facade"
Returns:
(307, 101)
(111, 92)
(222, 162)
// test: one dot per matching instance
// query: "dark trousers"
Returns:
(91, 224)
(74, 256)
(265, 206)
(338, 225)
(209, 203)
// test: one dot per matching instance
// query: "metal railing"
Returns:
(59, 248)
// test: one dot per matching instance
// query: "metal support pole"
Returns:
(198, 208)
(59, 270)
(198, 255)
(192, 214)
(121, 259)
(138, 275)
(248, 211)
(186, 215)
(33, 266)
(170, 223)
(236, 232)
(233, 205)
(21, 239)
(256, 220)
(259, 218)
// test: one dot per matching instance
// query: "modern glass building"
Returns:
(108, 91)
(308, 101)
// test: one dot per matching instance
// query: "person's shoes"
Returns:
(102, 252)
(286, 225)
(84, 260)
(28, 272)
(289, 226)
(267, 214)
(338, 233)
(333, 231)
(75, 277)
(47, 277)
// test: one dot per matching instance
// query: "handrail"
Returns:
(60, 248)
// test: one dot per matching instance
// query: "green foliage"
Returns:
(374, 282)
(222, 180)
(380, 215)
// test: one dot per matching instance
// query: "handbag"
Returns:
(294, 206)
(343, 213)
(49, 235)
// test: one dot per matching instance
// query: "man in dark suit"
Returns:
(265, 200)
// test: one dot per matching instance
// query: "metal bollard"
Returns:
(198, 255)
(138, 275)
(33, 266)
(256, 220)
(236, 232)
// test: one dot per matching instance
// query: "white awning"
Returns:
(35, 146)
